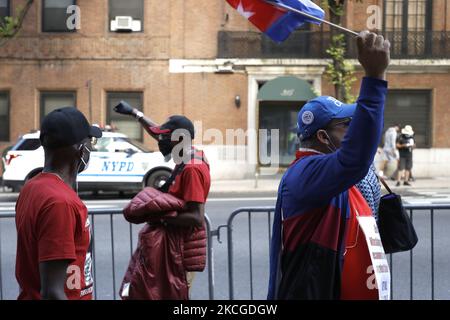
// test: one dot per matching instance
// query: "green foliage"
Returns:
(8, 26)
(339, 71)
(335, 7)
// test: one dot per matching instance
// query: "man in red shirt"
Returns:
(192, 184)
(53, 231)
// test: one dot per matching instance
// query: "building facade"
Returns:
(202, 59)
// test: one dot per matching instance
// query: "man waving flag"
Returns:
(275, 17)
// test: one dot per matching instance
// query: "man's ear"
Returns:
(322, 137)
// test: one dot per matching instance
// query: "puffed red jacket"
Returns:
(152, 205)
(157, 269)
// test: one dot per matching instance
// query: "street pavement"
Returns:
(247, 281)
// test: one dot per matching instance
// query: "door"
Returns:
(281, 115)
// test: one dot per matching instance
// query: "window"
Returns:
(124, 124)
(410, 107)
(131, 8)
(410, 14)
(4, 9)
(54, 100)
(4, 116)
(408, 22)
(54, 15)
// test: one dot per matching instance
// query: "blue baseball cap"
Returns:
(318, 112)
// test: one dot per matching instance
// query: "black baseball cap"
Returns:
(65, 127)
(174, 123)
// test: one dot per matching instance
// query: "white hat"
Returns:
(408, 130)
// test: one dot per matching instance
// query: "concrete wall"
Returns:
(426, 163)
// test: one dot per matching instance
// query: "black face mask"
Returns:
(165, 146)
(84, 159)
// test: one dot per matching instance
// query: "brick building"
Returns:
(202, 59)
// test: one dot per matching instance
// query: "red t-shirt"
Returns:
(52, 224)
(357, 276)
(193, 183)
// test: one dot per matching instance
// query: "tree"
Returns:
(10, 26)
(339, 71)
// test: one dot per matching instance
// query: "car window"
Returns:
(141, 147)
(118, 144)
(104, 145)
(124, 144)
(27, 145)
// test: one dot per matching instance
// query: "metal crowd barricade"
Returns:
(250, 211)
(112, 213)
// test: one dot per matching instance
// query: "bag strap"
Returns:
(178, 169)
(383, 182)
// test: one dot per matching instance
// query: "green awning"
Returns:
(286, 88)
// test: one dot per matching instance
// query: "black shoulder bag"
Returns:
(396, 229)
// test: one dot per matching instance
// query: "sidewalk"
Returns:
(269, 187)
(242, 188)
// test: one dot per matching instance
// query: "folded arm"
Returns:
(193, 216)
(151, 204)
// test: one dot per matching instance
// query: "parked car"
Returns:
(117, 163)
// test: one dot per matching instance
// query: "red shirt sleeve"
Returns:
(193, 185)
(55, 233)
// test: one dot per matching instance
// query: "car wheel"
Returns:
(157, 179)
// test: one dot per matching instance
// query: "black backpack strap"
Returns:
(178, 169)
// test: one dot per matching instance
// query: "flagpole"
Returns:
(281, 5)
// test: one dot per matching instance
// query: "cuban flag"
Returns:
(277, 23)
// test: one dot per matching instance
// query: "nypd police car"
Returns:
(117, 163)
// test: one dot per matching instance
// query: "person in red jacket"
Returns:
(192, 180)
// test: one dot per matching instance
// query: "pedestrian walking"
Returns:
(390, 152)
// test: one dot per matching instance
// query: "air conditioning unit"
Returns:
(125, 23)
